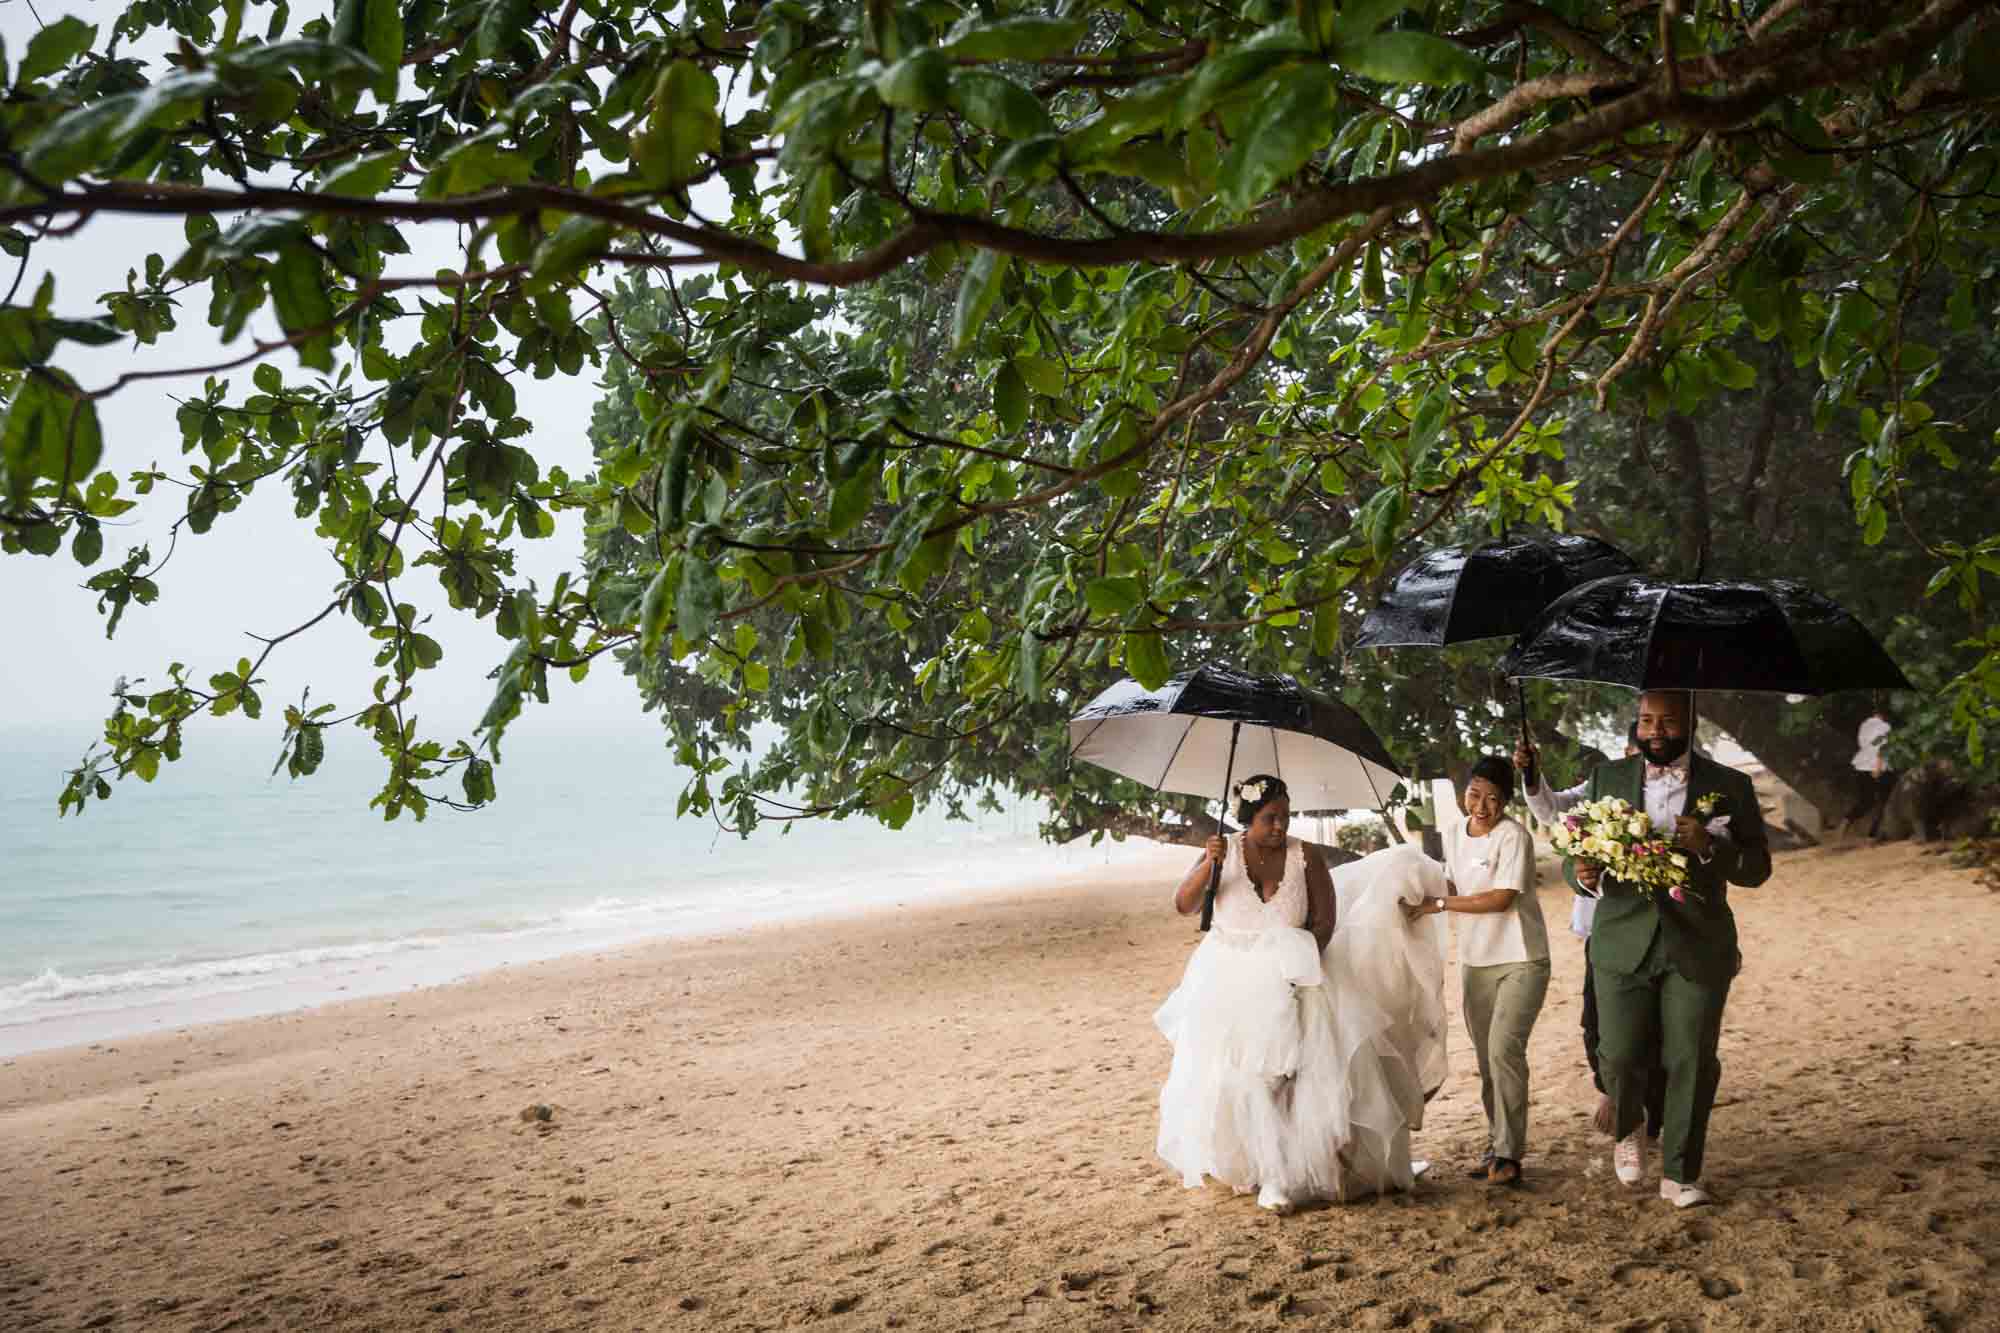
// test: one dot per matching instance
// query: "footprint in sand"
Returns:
(1719, 1288)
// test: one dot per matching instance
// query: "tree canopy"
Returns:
(1038, 345)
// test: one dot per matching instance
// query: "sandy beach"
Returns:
(942, 1118)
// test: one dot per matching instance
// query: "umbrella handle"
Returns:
(1215, 871)
(1528, 776)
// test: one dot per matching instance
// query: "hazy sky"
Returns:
(258, 569)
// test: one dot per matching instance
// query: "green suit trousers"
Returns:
(1653, 1008)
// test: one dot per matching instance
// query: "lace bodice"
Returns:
(1237, 906)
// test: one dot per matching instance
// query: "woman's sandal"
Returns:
(1504, 1171)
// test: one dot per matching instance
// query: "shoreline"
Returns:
(942, 1118)
(418, 964)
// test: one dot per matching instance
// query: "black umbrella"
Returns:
(1196, 732)
(1774, 637)
(1456, 594)
(1459, 594)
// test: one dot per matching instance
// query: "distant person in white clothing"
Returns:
(1873, 778)
(1503, 954)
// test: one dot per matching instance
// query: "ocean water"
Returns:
(220, 891)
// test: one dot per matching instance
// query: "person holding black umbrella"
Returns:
(1662, 968)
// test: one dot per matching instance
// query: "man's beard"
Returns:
(1661, 750)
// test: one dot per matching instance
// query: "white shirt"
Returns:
(1665, 791)
(1873, 732)
(1503, 859)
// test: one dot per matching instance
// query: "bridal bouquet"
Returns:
(1623, 840)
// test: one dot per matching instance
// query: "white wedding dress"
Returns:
(1298, 1074)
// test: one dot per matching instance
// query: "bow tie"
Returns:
(1661, 772)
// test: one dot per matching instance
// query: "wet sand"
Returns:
(942, 1118)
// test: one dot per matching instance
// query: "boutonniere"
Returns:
(1712, 803)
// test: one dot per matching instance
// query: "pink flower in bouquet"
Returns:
(1678, 894)
(1643, 850)
(1572, 823)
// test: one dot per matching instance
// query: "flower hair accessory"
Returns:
(1252, 791)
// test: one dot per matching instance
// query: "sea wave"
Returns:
(52, 986)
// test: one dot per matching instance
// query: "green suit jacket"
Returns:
(1699, 934)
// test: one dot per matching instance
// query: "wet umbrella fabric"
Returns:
(1181, 737)
(1774, 637)
(1457, 594)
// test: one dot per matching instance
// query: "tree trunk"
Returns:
(1816, 761)
(1751, 488)
(1688, 461)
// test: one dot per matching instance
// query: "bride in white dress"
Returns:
(1309, 1026)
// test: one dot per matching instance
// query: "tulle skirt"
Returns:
(1291, 1073)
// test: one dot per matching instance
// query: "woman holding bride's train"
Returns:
(1308, 1028)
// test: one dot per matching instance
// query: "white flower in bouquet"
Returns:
(1623, 840)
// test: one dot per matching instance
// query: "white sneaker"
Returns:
(1683, 1196)
(1628, 1159)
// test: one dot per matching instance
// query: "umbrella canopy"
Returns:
(1773, 637)
(1181, 737)
(1456, 594)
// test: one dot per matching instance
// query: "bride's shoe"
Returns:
(1274, 1201)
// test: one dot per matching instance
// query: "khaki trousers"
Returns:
(1501, 1003)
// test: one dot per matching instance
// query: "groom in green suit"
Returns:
(1662, 968)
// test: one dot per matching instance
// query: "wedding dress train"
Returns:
(1301, 1074)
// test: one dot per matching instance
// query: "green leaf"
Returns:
(1010, 399)
(1381, 518)
(382, 36)
(365, 176)
(896, 811)
(88, 544)
(1372, 289)
(700, 598)
(1113, 595)
(1409, 57)
(1876, 526)
(685, 122)
(1425, 428)
(977, 292)
(299, 293)
(655, 609)
(1293, 121)
(1017, 39)
(1041, 375)
(51, 432)
(1221, 76)
(1028, 667)
(1326, 629)
(477, 780)
(1146, 659)
(1368, 16)
(79, 141)
(1730, 370)
(53, 47)
(917, 82)
(999, 105)
(851, 501)
(568, 248)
